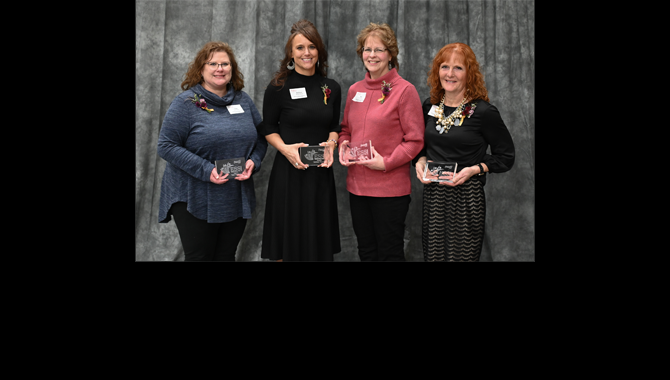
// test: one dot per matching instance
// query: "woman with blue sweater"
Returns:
(213, 119)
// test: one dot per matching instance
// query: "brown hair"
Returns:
(193, 75)
(474, 81)
(308, 30)
(386, 34)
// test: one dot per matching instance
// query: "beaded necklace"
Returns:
(446, 123)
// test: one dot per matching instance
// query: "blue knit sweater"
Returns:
(191, 140)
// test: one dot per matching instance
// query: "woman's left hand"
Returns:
(246, 174)
(328, 157)
(375, 163)
(462, 176)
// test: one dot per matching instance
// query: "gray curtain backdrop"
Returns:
(501, 33)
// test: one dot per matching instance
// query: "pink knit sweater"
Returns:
(396, 129)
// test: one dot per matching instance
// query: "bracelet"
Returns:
(335, 141)
(481, 169)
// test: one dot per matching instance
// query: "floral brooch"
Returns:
(326, 93)
(468, 111)
(386, 90)
(200, 103)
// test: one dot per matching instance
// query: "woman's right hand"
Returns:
(420, 168)
(344, 162)
(215, 178)
(292, 154)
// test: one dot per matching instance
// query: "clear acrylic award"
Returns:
(440, 171)
(231, 166)
(313, 155)
(358, 151)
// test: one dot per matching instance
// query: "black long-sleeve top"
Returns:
(466, 144)
(309, 119)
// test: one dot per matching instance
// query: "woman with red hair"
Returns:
(460, 125)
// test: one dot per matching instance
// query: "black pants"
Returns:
(379, 224)
(204, 241)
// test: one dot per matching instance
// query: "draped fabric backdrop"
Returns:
(502, 34)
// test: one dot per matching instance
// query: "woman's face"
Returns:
(376, 57)
(453, 76)
(305, 55)
(216, 77)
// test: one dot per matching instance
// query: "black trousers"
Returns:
(379, 224)
(204, 241)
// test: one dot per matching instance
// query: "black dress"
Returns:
(301, 222)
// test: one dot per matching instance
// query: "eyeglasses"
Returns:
(215, 65)
(377, 50)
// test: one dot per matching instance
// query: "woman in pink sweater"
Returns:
(385, 109)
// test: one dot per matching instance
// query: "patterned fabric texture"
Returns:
(453, 221)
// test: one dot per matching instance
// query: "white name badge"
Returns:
(298, 93)
(432, 111)
(235, 108)
(360, 96)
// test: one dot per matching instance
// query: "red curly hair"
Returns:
(474, 83)
(193, 75)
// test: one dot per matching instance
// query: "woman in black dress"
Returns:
(460, 125)
(301, 107)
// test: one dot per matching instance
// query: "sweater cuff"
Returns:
(208, 173)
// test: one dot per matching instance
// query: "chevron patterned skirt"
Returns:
(453, 221)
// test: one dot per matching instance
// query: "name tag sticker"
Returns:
(360, 96)
(432, 111)
(298, 93)
(235, 108)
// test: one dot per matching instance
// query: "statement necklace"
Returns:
(445, 123)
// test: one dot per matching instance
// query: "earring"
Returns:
(290, 65)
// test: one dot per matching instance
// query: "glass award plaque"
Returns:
(440, 171)
(313, 155)
(358, 151)
(231, 166)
